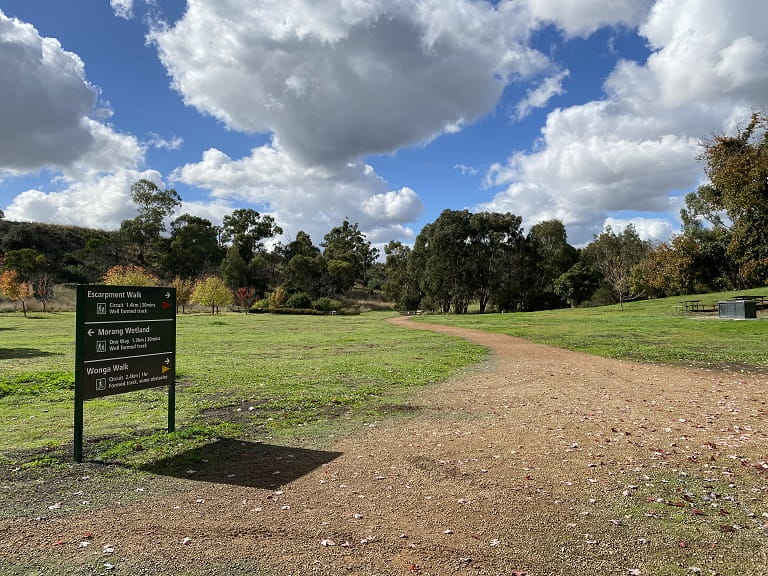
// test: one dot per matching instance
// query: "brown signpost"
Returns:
(125, 340)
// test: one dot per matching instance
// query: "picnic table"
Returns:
(757, 298)
(691, 305)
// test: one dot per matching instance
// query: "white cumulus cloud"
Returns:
(636, 149)
(313, 199)
(48, 110)
(122, 8)
(98, 201)
(335, 81)
(45, 100)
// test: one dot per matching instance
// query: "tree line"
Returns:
(461, 261)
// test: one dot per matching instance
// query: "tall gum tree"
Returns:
(737, 167)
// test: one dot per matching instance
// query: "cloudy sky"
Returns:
(385, 112)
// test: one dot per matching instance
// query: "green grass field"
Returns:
(247, 375)
(646, 331)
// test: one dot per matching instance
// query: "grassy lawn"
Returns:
(646, 331)
(251, 375)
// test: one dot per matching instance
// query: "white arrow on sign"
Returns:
(167, 360)
(167, 294)
(90, 332)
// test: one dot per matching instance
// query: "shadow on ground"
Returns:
(250, 464)
(11, 353)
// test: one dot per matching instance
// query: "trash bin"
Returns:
(739, 309)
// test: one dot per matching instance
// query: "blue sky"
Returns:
(385, 112)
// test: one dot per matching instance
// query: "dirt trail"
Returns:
(500, 471)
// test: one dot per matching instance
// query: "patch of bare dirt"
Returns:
(503, 474)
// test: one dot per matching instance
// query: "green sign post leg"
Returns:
(79, 335)
(172, 407)
(78, 427)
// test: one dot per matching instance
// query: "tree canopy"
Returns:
(737, 167)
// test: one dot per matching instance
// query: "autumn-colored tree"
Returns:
(666, 270)
(212, 291)
(15, 289)
(244, 297)
(278, 297)
(129, 275)
(44, 290)
(184, 289)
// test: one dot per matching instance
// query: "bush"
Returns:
(299, 300)
(262, 304)
(277, 298)
(326, 304)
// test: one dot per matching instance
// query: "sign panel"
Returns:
(125, 340)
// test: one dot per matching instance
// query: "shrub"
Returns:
(299, 300)
(326, 304)
(129, 275)
(278, 297)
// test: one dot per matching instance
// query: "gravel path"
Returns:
(500, 471)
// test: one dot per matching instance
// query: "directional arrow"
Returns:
(164, 369)
(167, 294)
(90, 332)
(167, 360)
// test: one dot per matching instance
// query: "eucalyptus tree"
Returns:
(193, 248)
(615, 255)
(144, 231)
(348, 244)
(246, 228)
(550, 255)
(495, 242)
(442, 258)
(401, 285)
(737, 167)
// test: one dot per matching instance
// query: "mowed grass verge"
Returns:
(645, 331)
